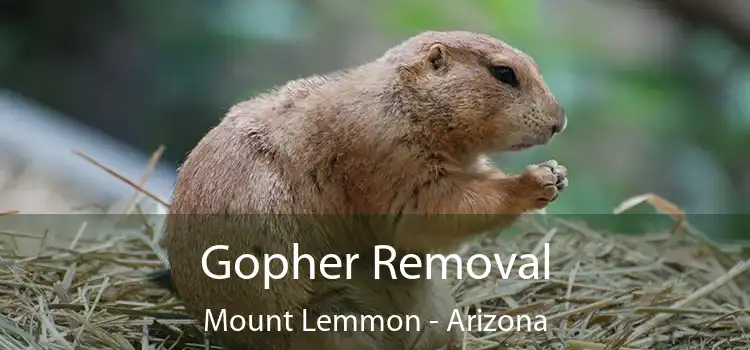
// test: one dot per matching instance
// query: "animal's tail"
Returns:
(163, 279)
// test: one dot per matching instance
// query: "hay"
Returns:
(670, 290)
(667, 291)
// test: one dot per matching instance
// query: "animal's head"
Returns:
(476, 90)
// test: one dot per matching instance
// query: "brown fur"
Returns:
(404, 134)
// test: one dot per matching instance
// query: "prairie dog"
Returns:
(342, 162)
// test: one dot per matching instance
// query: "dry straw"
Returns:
(669, 290)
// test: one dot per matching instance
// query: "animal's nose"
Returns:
(560, 127)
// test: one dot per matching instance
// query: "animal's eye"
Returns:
(505, 75)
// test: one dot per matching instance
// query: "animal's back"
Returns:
(258, 184)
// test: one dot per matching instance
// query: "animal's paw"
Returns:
(542, 183)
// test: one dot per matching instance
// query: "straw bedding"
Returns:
(659, 291)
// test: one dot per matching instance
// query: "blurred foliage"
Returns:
(164, 72)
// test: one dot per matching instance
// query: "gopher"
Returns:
(393, 152)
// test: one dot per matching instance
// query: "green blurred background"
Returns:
(657, 91)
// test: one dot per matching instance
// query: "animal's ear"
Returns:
(437, 56)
